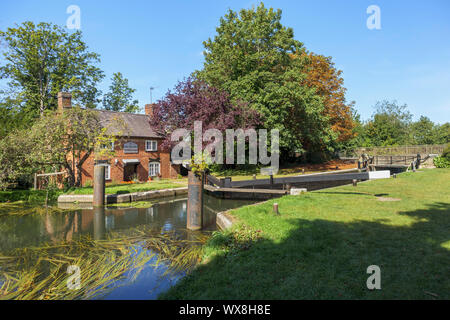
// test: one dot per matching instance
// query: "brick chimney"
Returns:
(149, 109)
(64, 101)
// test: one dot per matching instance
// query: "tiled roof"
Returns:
(127, 124)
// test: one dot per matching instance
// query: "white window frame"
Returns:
(107, 147)
(153, 173)
(153, 145)
(131, 150)
(107, 172)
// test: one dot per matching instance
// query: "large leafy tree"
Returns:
(56, 141)
(194, 100)
(251, 58)
(424, 131)
(443, 133)
(329, 84)
(44, 59)
(390, 124)
(120, 96)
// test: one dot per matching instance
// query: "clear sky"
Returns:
(157, 43)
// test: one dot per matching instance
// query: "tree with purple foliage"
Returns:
(194, 100)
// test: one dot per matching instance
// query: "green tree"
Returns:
(56, 141)
(44, 59)
(252, 58)
(120, 96)
(443, 133)
(424, 131)
(390, 124)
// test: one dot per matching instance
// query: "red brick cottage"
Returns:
(137, 152)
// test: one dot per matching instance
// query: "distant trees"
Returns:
(120, 96)
(391, 124)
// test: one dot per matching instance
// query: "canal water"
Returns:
(167, 216)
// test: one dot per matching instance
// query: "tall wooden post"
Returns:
(99, 185)
(195, 202)
(99, 223)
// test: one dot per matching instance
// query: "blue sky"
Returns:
(157, 43)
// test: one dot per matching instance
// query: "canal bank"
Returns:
(321, 243)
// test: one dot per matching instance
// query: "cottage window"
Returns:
(153, 169)
(130, 147)
(109, 146)
(151, 145)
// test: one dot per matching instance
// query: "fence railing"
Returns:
(401, 150)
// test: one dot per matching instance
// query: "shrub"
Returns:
(446, 152)
(441, 162)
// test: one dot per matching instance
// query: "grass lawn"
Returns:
(135, 187)
(28, 196)
(321, 244)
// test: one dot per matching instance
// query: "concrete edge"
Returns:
(123, 198)
(224, 220)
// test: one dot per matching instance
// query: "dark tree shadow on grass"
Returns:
(322, 259)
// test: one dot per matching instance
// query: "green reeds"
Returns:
(41, 272)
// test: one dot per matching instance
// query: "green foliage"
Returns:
(232, 242)
(252, 58)
(29, 196)
(120, 95)
(200, 163)
(74, 135)
(446, 152)
(45, 59)
(391, 125)
(441, 162)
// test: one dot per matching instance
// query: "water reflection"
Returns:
(167, 216)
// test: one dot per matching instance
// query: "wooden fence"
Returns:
(401, 150)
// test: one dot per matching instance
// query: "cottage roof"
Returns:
(127, 124)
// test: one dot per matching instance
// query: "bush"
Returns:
(446, 153)
(441, 162)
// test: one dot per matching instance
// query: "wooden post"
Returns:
(275, 208)
(99, 223)
(35, 181)
(271, 180)
(99, 185)
(303, 171)
(355, 182)
(195, 202)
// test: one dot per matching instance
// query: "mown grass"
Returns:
(135, 187)
(29, 197)
(321, 244)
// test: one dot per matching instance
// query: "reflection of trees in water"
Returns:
(50, 224)
(62, 227)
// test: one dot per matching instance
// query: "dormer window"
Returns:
(151, 145)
